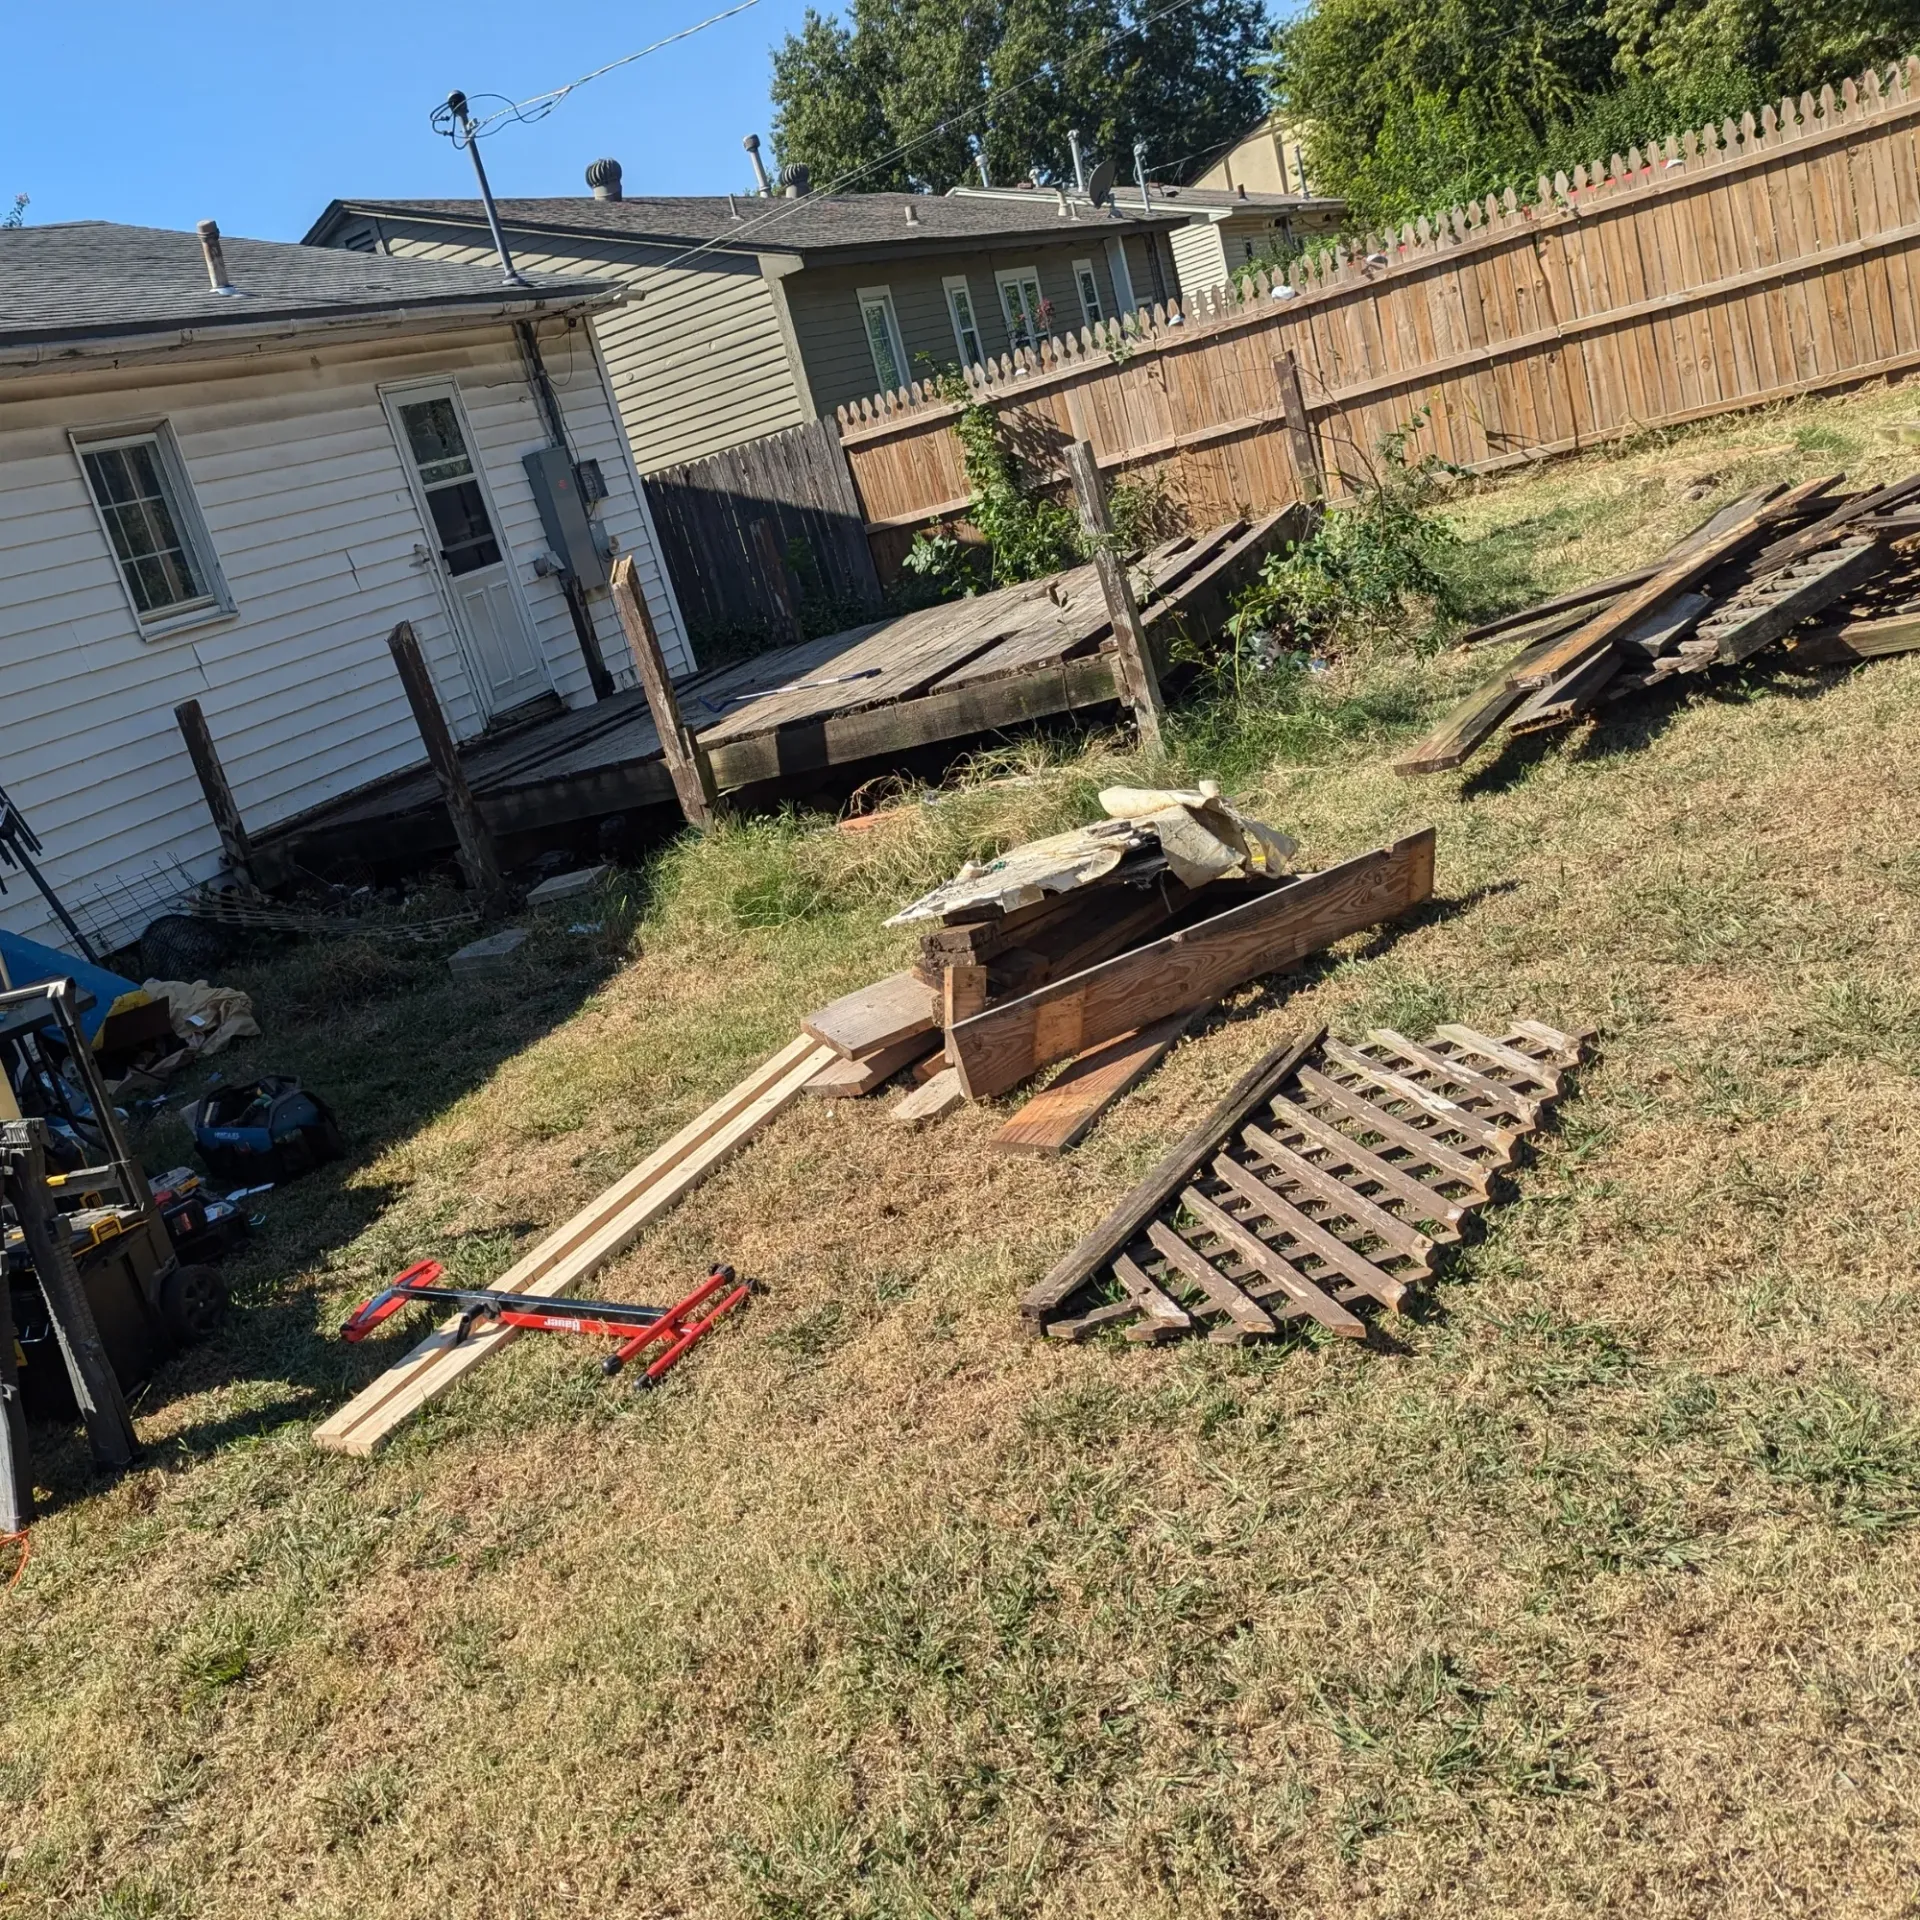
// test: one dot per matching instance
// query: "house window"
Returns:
(146, 510)
(966, 334)
(447, 478)
(883, 338)
(1028, 316)
(1089, 291)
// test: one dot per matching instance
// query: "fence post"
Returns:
(478, 860)
(691, 771)
(1301, 439)
(773, 564)
(1138, 678)
(212, 776)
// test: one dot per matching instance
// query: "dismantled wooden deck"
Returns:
(963, 668)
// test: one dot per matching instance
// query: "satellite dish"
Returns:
(1100, 187)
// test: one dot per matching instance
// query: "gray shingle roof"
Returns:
(815, 223)
(92, 279)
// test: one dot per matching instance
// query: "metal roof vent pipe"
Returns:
(752, 144)
(797, 180)
(1079, 162)
(603, 176)
(209, 232)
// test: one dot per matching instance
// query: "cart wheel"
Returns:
(193, 1301)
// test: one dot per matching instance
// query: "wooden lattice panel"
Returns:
(1339, 1193)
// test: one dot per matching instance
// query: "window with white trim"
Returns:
(1028, 315)
(966, 333)
(883, 338)
(147, 512)
(1089, 290)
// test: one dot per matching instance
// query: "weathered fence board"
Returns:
(1732, 266)
(707, 513)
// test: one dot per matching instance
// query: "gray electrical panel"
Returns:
(563, 513)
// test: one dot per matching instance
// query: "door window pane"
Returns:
(433, 433)
(460, 519)
(143, 525)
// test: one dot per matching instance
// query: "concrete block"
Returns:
(565, 886)
(489, 957)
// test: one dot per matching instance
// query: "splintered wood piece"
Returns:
(1123, 1222)
(1342, 1200)
(1425, 1200)
(933, 1101)
(1309, 1235)
(1390, 1127)
(1269, 1261)
(1482, 1047)
(1160, 1318)
(1563, 1049)
(1495, 1093)
(848, 1079)
(876, 1016)
(1222, 1295)
(1561, 702)
(1063, 1114)
(1767, 609)
(1498, 1140)
(1109, 1314)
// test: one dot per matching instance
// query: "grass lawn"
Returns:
(1593, 1586)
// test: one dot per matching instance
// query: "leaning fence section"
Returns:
(1718, 269)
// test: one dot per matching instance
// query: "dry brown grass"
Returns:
(1590, 1591)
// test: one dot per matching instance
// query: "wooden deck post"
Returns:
(773, 564)
(1137, 673)
(691, 771)
(212, 776)
(478, 860)
(1301, 440)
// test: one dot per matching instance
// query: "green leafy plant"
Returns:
(1030, 535)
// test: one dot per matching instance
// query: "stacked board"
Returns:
(1329, 1179)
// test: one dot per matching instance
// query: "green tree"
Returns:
(920, 74)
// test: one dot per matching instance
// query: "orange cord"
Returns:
(25, 1545)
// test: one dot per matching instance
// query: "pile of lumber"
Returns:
(1106, 976)
(1836, 574)
(1331, 1177)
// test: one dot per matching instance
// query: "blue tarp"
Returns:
(28, 963)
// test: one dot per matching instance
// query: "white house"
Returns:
(232, 493)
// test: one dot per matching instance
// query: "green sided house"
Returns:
(746, 314)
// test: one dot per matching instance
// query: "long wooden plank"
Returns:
(1425, 1202)
(1273, 1264)
(843, 1079)
(1103, 1243)
(1062, 1115)
(1755, 619)
(875, 1017)
(1434, 1153)
(1221, 1294)
(1316, 1183)
(1001, 1047)
(1473, 720)
(1310, 1235)
(1498, 1140)
(580, 1247)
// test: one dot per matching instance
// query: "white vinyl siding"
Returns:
(966, 330)
(1199, 259)
(304, 498)
(882, 328)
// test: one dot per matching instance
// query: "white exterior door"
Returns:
(505, 662)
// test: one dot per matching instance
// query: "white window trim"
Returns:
(219, 603)
(957, 283)
(1012, 277)
(1122, 276)
(882, 297)
(1085, 267)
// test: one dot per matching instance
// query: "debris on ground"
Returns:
(1836, 574)
(1330, 1176)
(491, 957)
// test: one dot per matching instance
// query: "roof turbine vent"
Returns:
(797, 179)
(603, 176)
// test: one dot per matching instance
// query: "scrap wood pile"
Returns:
(1097, 947)
(1329, 1177)
(1836, 575)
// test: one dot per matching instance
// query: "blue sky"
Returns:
(257, 115)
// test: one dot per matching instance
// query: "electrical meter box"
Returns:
(563, 513)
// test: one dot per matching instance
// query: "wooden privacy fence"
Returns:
(728, 526)
(1729, 266)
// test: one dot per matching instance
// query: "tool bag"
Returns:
(268, 1129)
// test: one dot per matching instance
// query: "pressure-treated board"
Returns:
(1001, 1047)
(580, 1247)
(1063, 1114)
(849, 1079)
